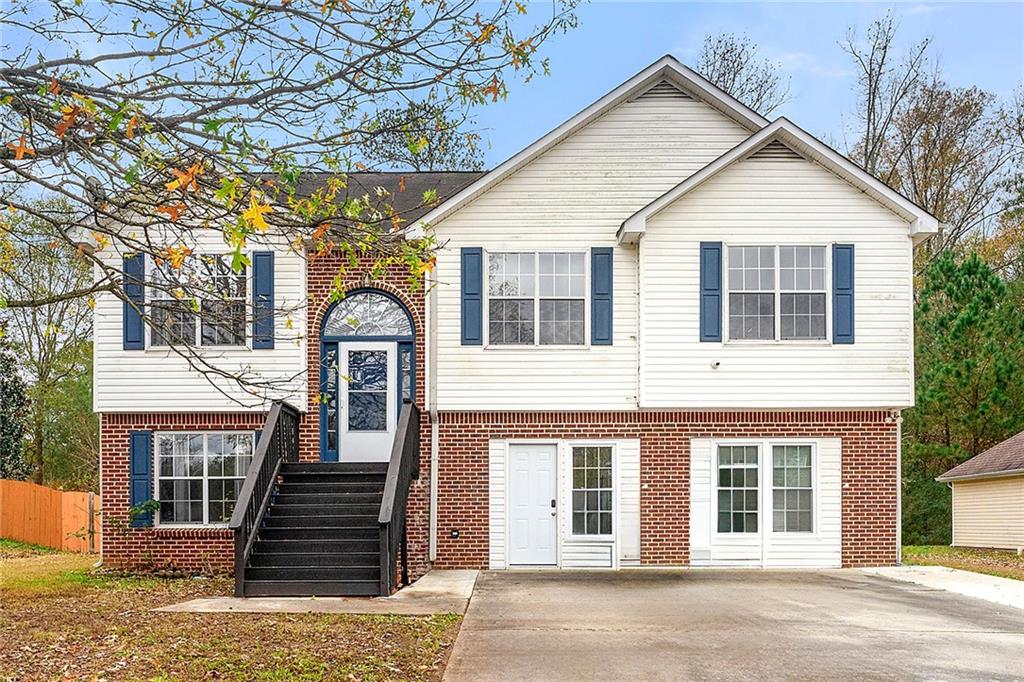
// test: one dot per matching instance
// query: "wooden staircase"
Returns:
(323, 529)
(320, 535)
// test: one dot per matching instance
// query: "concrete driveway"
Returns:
(660, 625)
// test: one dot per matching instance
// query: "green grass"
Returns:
(17, 548)
(997, 562)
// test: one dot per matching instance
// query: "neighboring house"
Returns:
(668, 333)
(988, 497)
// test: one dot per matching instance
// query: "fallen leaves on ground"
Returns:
(999, 562)
(61, 621)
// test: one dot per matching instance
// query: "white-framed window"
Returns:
(218, 319)
(592, 490)
(536, 298)
(777, 293)
(793, 488)
(738, 489)
(199, 475)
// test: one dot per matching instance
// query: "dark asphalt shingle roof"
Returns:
(405, 188)
(1003, 458)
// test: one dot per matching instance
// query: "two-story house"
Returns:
(670, 332)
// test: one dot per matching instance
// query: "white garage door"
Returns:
(766, 502)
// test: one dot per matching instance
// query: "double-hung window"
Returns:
(536, 298)
(199, 475)
(777, 293)
(201, 303)
(792, 489)
(223, 303)
(592, 490)
(738, 488)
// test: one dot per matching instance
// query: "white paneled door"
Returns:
(533, 514)
(367, 399)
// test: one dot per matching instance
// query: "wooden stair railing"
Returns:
(278, 443)
(403, 468)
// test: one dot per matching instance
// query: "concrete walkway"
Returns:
(1005, 591)
(436, 592)
(729, 625)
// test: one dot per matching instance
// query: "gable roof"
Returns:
(1003, 459)
(809, 147)
(668, 68)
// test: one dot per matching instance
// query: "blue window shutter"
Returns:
(133, 331)
(711, 291)
(601, 296)
(141, 477)
(842, 293)
(263, 299)
(472, 296)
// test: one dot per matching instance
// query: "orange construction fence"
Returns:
(53, 518)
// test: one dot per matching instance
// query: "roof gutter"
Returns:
(973, 477)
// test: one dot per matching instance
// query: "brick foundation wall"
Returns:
(869, 471)
(193, 550)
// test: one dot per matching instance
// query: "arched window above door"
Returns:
(368, 313)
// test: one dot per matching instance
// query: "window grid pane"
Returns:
(536, 298)
(802, 292)
(223, 305)
(792, 489)
(592, 490)
(737, 488)
(200, 475)
(752, 292)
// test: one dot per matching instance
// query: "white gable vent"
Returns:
(664, 90)
(775, 150)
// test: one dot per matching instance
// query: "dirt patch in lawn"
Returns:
(1002, 563)
(60, 620)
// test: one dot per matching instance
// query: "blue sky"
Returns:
(975, 43)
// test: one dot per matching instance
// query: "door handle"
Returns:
(554, 511)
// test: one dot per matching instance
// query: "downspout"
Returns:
(431, 380)
(899, 490)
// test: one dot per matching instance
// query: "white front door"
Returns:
(367, 400)
(533, 515)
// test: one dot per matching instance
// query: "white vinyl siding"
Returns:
(571, 198)
(772, 202)
(989, 513)
(620, 548)
(160, 380)
(819, 548)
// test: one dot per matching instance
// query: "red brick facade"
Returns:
(869, 472)
(322, 276)
(194, 550)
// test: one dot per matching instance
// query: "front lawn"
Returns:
(999, 562)
(60, 620)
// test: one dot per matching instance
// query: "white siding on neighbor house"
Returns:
(821, 548)
(573, 197)
(767, 202)
(989, 513)
(160, 380)
(622, 548)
